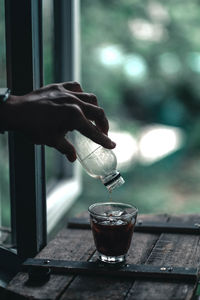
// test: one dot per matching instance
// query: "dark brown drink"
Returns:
(111, 238)
(112, 226)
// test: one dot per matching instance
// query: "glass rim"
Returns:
(111, 203)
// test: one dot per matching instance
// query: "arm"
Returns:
(47, 114)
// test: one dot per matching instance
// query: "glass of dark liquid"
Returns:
(112, 226)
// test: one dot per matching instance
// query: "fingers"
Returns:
(72, 117)
(65, 147)
(91, 131)
(96, 114)
(72, 86)
(87, 97)
(76, 89)
(92, 112)
(72, 94)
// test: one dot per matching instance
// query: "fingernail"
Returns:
(71, 157)
(113, 144)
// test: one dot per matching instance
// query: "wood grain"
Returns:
(69, 244)
(98, 288)
(154, 249)
(171, 250)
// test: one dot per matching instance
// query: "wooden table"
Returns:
(157, 249)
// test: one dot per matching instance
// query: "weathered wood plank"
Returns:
(98, 288)
(174, 250)
(149, 248)
(69, 244)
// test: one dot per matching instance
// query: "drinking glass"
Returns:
(112, 226)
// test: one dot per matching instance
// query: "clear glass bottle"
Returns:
(98, 161)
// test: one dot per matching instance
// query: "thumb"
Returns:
(65, 147)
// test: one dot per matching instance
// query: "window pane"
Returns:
(3, 46)
(4, 181)
(48, 29)
(142, 60)
(56, 164)
(4, 162)
(63, 180)
(48, 39)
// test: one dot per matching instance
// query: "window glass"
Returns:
(4, 163)
(3, 46)
(48, 29)
(142, 60)
(4, 182)
(62, 177)
(48, 39)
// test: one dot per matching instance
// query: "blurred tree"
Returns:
(152, 71)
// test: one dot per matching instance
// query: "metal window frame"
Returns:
(24, 74)
(27, 177)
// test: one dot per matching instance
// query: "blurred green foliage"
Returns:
(169, 92)
(161, 86)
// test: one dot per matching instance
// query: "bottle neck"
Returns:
(112, 180)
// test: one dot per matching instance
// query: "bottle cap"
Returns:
(114, 182)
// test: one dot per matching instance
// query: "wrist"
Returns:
(7, 114)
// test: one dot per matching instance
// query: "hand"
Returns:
(47, 114)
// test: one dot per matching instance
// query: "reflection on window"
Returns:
(4, 182)
(4, 162)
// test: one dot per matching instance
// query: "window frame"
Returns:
(27, 177)
(27, 161)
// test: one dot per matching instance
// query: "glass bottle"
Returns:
(98, 161)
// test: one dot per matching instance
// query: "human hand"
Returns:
(47, 114)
